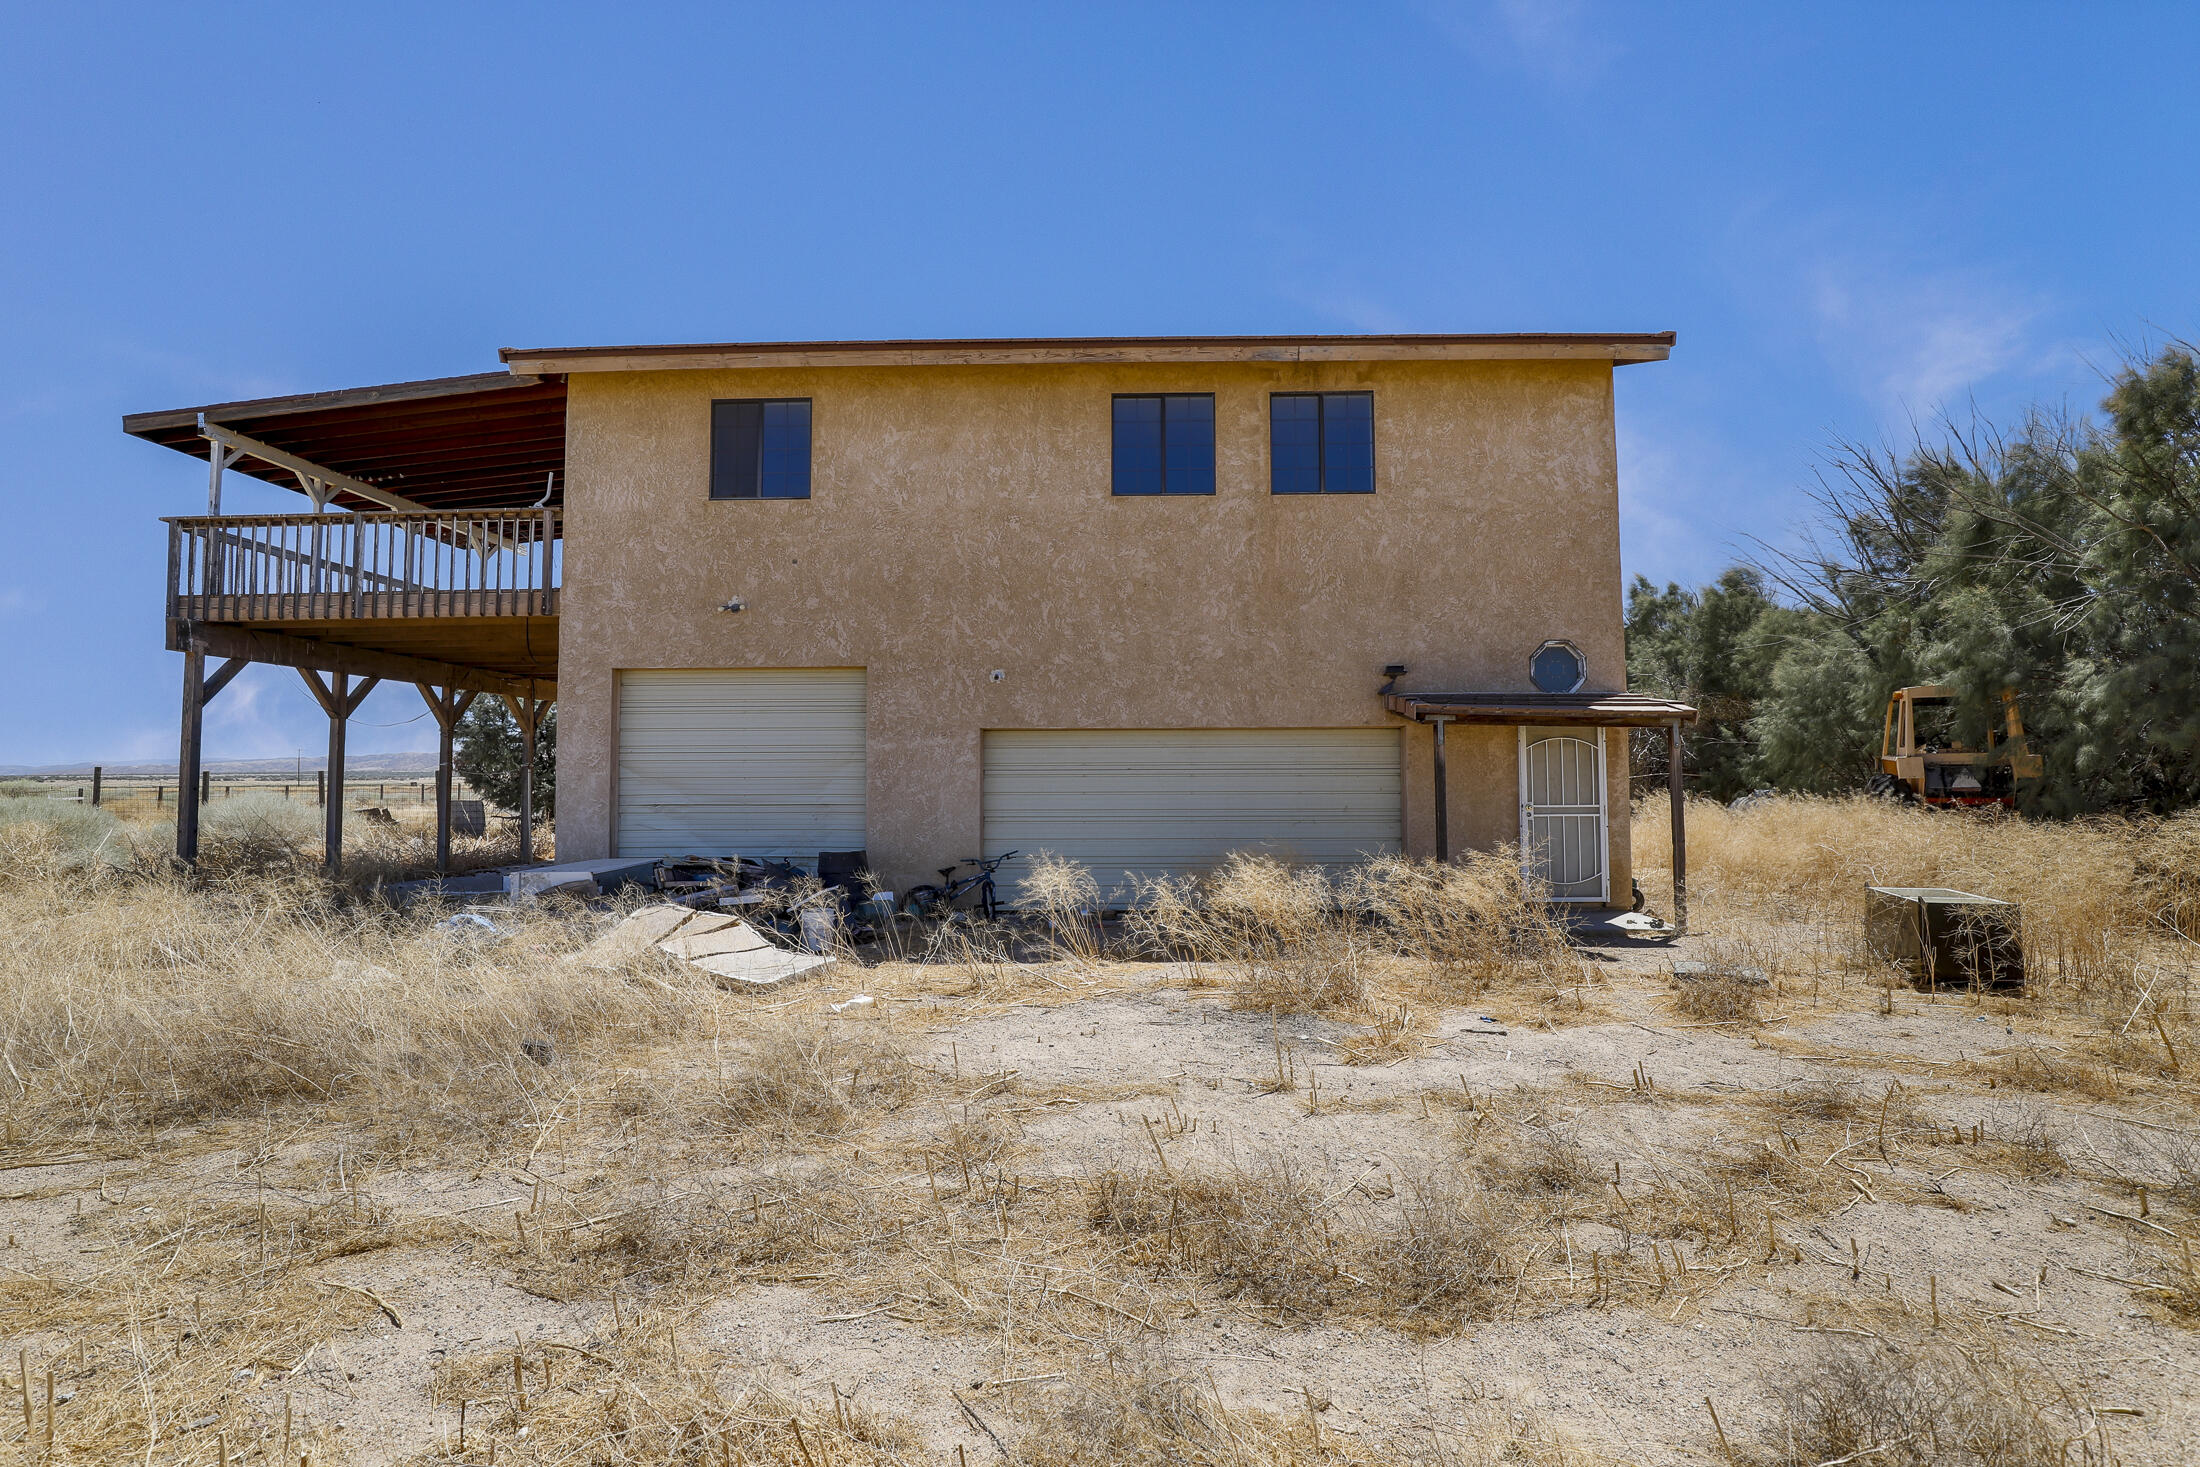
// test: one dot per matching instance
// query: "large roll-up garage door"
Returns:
(1174, 802)
(750, 762)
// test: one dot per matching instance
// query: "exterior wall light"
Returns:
(1558, 667)
(734, 603)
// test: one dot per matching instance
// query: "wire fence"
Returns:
(153, 799)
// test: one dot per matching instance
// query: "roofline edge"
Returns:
(1620, 348)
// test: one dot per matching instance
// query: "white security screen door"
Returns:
(1562, 821)
(747, 761)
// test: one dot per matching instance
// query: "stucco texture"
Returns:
(960, 521)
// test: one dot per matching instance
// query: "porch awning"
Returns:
(1601, 710)
(489, 441)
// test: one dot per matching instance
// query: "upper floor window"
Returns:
(1165, 443)
(760, 448)
(1321, 443)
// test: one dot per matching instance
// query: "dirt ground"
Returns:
(1999, 1219)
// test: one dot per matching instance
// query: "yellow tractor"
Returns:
(1921, 761)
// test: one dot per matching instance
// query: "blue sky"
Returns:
(1855, 217)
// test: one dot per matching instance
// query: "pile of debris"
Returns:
(725, 947)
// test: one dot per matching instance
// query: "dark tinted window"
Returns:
(760, 449)
(1557, 667)
(1165, 444)
(1321, 443)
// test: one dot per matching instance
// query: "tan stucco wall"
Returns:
(960, 521)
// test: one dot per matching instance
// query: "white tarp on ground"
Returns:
(724, 947)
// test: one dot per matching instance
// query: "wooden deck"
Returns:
(465, 600)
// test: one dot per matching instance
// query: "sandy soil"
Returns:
(2032, 1262)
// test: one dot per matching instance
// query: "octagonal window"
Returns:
(1558, 667)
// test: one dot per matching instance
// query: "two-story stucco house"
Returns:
(1135, 601)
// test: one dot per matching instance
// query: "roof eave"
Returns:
(1600, 710)
(1619, 349)
(314, 402)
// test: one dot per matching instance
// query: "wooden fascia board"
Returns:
(707, 359)
(1598, 715)
(280, 649)
(315, 402)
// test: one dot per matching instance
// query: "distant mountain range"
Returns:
(356, 767)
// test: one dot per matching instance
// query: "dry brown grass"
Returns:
(1397, 1033)
(1154, 1416)
(1288, 944)
(1301, 940)
(2109, 913)
(2094, 892)
(644, 1393)
(310, 1042)
(809, 1078)
(1716, 998)
(1065, 898)
(1428, 1256)
(132, 999)
(1931, 1406)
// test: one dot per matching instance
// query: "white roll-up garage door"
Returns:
(1174, 802)
(749, 762)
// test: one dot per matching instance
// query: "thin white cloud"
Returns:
(1565, 43)
(18, 600)
(1919, 340)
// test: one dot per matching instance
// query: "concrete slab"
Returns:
(736, 937)
(632, 937)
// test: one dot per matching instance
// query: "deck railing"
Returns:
(331, 567)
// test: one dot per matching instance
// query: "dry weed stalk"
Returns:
(1932, 1405)
(1427, 1256)
(808, 1078)
(1472, 923)
(1157, 1413)
(1300, 940)
(1288, 944)
(1065, 896)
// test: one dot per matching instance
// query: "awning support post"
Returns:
(219, 456)
(1443, 811)
(1676, 798)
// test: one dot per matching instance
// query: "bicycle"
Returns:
(933, 901)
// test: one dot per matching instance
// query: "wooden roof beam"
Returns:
(307, 471)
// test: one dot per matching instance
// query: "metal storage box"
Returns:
(1945, 939)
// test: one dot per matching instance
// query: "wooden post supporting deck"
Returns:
(191, 778)
(339, 700)
(1675, 792)
(187, 755)
(332, 818)
(528, 711)
(448, 705)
